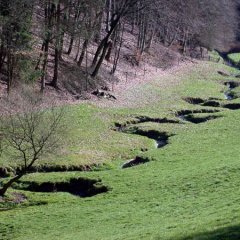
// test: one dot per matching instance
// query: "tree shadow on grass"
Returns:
(227, 233)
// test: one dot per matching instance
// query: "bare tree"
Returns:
(28, 132)
(121, 9)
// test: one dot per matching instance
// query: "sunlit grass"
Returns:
(235, 57)
(189, 189)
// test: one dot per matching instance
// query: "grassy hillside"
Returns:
(235, 57)
(189, 189)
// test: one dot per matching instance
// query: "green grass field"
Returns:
(235, 57)
(189, 189)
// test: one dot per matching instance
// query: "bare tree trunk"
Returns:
(40, 57)
(49, 13)
(61, 42)
(108, 20)
(100, 61)
(10, 69)
(166, 35)
(117, 54)
(104, 42)
(142, 35)
(99, 50)
(70, 45)
(174, 38)
(2, 56)
(57, 48)
(55, 75)
(98, 27)
(44, 67)
(150, 40)
(86, 68)
(7, 185)
(109, 52)
(133, 23)
(185, 41)
(84, 48)
(75, 22)
(78, 49)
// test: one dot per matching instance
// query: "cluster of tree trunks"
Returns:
(72, 26)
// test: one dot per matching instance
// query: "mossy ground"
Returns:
(190, 189)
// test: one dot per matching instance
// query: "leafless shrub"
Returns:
(29, 131)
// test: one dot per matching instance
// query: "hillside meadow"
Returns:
(188, 188)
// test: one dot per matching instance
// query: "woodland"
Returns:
(37, 37)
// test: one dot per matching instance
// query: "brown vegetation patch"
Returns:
(134, 162)
(13, 198)
(224, 74)
(194, 100)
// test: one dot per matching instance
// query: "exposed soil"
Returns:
(81, 187)
(188, 115)
(14, 198)
(211, 103)
(137, 161)
(161, 138)
(214, 102)
(144, 119)
(19, 198)
(215, 99)
(6, 171)
(237, 76)
(197, 120)
(232, 84)
(121, 127)
(194, 100)
(186, 112)
(224, 74)
(232, 106)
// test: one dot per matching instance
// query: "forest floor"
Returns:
(127, 93)
(75, 86)
(179, 136)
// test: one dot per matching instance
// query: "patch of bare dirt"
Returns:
(15, 198)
